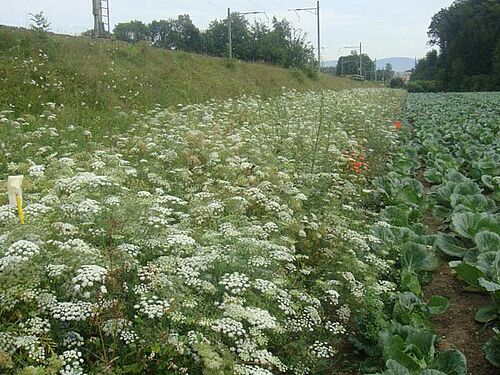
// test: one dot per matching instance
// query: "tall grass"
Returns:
(98, 76)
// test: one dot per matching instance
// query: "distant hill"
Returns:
(329, 63)
(399, 64)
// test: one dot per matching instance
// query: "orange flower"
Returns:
(398, 125)
(357, 163)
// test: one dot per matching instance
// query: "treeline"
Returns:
(280, 44)
(468, 37)
(349, 66)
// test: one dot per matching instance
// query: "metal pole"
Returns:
(360, 60)
(314, 11)
(230, 33)
(96, 10)
(319, 38)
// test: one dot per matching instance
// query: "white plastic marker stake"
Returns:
(15, 190)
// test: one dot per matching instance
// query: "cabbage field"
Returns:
(447, 174)
(250, 236)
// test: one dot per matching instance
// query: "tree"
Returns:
(178, 34)
(397, 83)
(40, 23)
(467, 34)
(349, 65)
(496, 63)
(132, 32)
(427, 68)
(216, 38)
(291, 44)
(281, 45)
(388, 72)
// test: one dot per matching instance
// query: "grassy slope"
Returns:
(105, 74)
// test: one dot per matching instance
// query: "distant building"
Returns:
(405, 76)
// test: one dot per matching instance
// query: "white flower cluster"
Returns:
(265, 286)
(7, 213)
(344, 313)
(322, 350)
(248, 351)
(380, 264)
(270, 227)
(87, 276)
(78, 246)
(120, 328)
(112, 327)
(36, 209)
(385, 286)
(181, 240)
(260, 319)
(234, 237)
(128, 336)
(66, 229)
(83, 181)
(130, 249)
(235, 283)
(153, 307)
(259, 262)
(55, 270)
(35, 326)
(251, 370)
(86, 209)
(20, 251)
(307, 321)
(229, 327)
(356, 287)
(72, 363)
(229, 230)
(72, 311)
(23, 249)
(32, 345)
(36, 171)
(7, 342)
(333, 296)
(336, 328)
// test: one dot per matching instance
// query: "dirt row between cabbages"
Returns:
(456, 328)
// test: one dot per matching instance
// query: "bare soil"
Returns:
(456, 328)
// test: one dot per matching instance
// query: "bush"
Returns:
(397, 83)
(424, 86)
(298, 74)
(311, 72)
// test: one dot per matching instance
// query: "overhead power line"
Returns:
(230, 27)
(315, 11)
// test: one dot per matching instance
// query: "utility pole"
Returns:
(375, 71)
(360, 60)
(343, 59)
(315, 11)
(230, 27)
(319, 36)
(100, 10)
(230, 33)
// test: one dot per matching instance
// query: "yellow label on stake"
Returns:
(20, 210)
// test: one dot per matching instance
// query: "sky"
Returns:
(386, 28)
